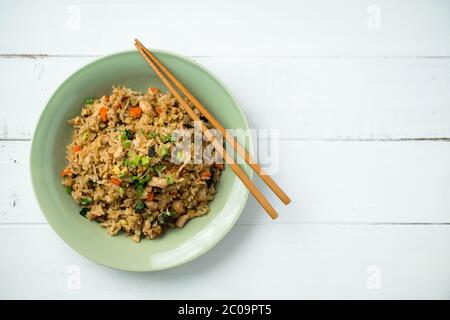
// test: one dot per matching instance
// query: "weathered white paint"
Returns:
(329, 182)
(238, 28)
(253, 261)
(305, 98)
(370, 219)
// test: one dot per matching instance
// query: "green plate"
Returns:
(53, 133)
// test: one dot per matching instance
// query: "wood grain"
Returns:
(224, 153)
(250, 28)
(363, 112)
(311, 262)
(231, 139)
(332, 182)
(303, 98)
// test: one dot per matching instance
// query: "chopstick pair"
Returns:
(162, 72)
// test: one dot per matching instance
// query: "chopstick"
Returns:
(219, 148)
(216, 124)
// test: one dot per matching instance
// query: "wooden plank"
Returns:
(27, 86)
(342, 98)
(303, 98)
(17, 202)
(274, 262)
(329, 182)
(263, 28)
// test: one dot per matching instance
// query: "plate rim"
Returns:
(146, 268)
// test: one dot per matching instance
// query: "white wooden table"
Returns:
(360, 91)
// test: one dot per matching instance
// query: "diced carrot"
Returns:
(153, 90)
(219, 166)
(76, 148)
(159, 110)
(136, 112)
(150, 196)
(66, 172)
(116, 181)
(106, 98)
(206, 174)
(103, 114)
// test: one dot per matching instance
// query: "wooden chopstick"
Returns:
(231, 139)
(219, 148)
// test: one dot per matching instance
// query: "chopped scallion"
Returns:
(127, 135)
(126, 144)
(170, 179)
(85, 135)
(139, 206)
(145, 160)
(85, 201)
(139, 190)
(163, 151)
(84, 211)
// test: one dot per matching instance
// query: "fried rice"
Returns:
(120, 169)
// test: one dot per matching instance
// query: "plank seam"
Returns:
(439, 139)
(356, 224)
(45, 55)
